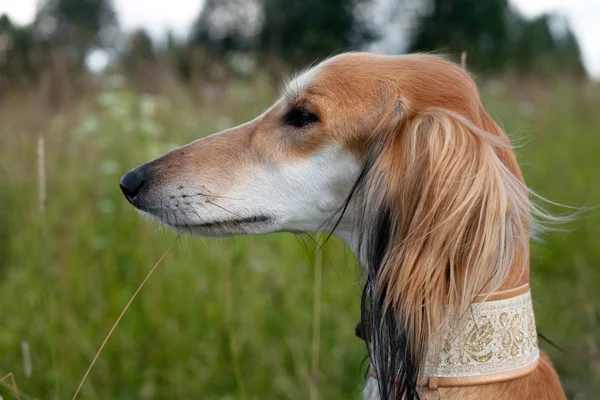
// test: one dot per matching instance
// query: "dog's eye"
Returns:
(299, 118)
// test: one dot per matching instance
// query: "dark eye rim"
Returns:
(299, 118)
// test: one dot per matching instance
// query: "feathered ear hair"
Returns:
(444, 217)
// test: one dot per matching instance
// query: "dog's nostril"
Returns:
(131, 183)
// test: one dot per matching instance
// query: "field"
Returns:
(261, 317)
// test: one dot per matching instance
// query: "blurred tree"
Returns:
(478, 27)
(302, 31)
(496, 37)
(173, 44)
(139, 47)
(176, 56)
(540, 50)
(222, 27)
(78, 24)
(225, 25)
(140, 61)
(570, 54)
(18, 61)
(6, 33)
(5, 24)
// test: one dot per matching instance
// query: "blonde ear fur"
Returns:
(462, 218)
(458, 220)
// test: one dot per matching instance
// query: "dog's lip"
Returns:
(255, 219)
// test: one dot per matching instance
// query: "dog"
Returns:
(397, 157)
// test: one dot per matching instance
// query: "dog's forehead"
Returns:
(341, 66)
(301, 82)
(338, 77)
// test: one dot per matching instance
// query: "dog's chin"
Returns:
(252, 225)
(246, 226)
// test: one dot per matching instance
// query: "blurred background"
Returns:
(92, 88)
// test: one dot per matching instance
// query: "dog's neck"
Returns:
(494, 341)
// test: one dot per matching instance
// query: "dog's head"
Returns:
(394, 153)
(293, 167)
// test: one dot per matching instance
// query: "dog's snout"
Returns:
(131, 183)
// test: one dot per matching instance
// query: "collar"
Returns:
(497, 342)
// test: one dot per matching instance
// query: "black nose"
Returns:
(131, 184)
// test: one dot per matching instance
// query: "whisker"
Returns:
(302, 242)
(239, 216)
(222, 197)
(207, 210)
(320, 247)
(224, 209)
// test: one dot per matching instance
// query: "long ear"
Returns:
(445, 219)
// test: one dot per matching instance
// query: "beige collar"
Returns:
(498, 342)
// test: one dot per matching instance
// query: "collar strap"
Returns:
(496, 343)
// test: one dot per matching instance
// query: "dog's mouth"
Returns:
(226, 227)
(253, 220)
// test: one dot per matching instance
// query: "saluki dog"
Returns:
(396, 156)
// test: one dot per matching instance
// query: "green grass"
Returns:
(233, 319)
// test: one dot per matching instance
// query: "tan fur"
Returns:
(541, 384)
(446, 169)
(459, 212)
(208, 157)
(458, 190)
(456, 180)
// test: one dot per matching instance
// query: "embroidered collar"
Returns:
(496, 343)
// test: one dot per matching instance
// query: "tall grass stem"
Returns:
(121, 316)
(232, 344)
(26, 358)
(316, 333)
(41, 172)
